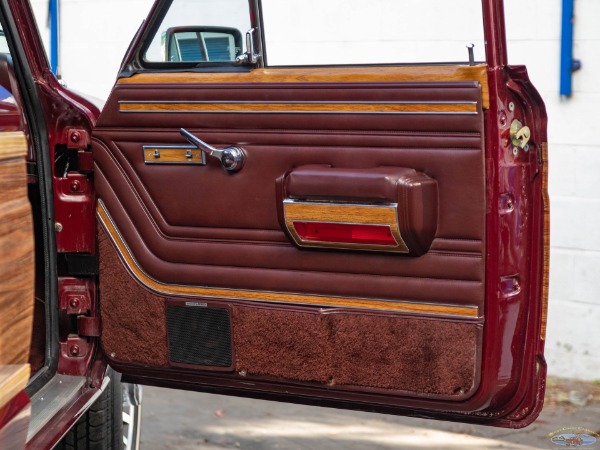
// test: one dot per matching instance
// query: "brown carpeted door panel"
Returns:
(382, 353)
(194, 231)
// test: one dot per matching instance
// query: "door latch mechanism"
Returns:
(519, 134)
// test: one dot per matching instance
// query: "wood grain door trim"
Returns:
(404, 74)
(299, 107)
(546, 241)
(172, 154)
(344, 214)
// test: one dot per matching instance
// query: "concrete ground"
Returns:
(189, 421)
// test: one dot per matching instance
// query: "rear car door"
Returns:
(358, 236)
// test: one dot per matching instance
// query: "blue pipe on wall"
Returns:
(568, 65)
(54, 19)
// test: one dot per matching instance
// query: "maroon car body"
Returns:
(509, 375)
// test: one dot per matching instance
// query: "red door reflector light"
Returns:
(346, 233)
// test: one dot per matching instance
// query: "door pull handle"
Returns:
(231, 158)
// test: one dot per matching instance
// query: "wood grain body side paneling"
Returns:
(273, 297)
(17, 269)
(344, 214)
(340, 75)
(13, 145)
(13, 379)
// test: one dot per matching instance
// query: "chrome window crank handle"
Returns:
(232, 158)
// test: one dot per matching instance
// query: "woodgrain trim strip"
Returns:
(546, 238)
(352, 214)
(173, 155)
(403, 74)
(13, 379)
(12, 145)
(301, 108)
(272, 297)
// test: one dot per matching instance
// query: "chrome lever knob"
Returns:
(231, 158)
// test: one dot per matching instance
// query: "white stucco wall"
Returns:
(92, 52)
(573, 338)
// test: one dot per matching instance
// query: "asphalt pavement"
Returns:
(191, 421)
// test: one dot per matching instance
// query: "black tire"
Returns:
(101, 427)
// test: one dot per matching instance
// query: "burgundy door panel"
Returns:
(178, 241)
(202, 277)
(201, 233)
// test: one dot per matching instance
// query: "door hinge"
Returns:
(79, 139)
(79, 325)
(76, 300)
(85, 162)
(88, 326)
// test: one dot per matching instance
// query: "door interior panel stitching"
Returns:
(127, 180)
(475, 281)
(280, 244)
(156, 226)
(157, 286)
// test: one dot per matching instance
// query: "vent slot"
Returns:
(199, 336)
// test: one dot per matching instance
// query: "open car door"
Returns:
(369, 237)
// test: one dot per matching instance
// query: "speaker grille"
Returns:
(199, 336)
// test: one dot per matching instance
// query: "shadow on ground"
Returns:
(185, 420)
